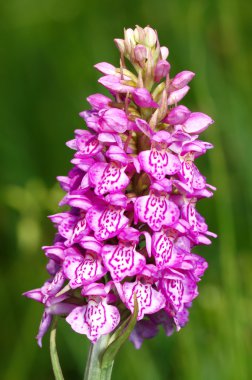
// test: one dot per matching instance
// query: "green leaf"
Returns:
(121, 335)
(53, 352)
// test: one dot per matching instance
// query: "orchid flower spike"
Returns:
(132, 222)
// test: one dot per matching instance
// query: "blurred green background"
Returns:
(48, 51)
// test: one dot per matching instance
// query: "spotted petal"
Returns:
(174, 290)
(95, 319)
(149, 300)
(156, 211)
(53, 286)
(159, 163)
(106, 222)
(88, 144)
(122, 260)
(108, 178)
(164, 250)
(82, 270)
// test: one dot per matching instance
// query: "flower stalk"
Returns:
(54, 354)
(94, 369)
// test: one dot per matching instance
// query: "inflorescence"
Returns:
(132, 221)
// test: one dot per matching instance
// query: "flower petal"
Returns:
(108, 178)
(144, 127)
(43, 327)
(88, 144)
(159, 163)
(143, 98)
(94, 319)
(106, 223)
(82, 270)
(181, 79)
(122, 260)
(149, 300)
(197, 122)
(156, 210)
(177, 95)
(115, 120)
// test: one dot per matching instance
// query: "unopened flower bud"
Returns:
(164, 52)
(120, 45)
(177, 95)
(161, 70)
(139, 35)
(140, 53)
(142, 98)
(181, 79)
(177, 115)
(129, 40)
(150, 37)
(197, 122)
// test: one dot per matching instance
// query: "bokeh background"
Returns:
(48, 50)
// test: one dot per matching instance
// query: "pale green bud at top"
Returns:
(150, 37)
(120, 45)
(139, 35)
(130, 42)
(164, 52)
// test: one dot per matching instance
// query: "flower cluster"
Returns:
(132, 221)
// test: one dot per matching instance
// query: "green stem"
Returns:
(53, 352)
(93, 370)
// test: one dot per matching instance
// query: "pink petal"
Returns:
(174, 290)
(43, 327)
(156, 210)
(90, 243)
(165, 252)
(122, 260)
(82, 270)
(149, 300)
(177, 115)
(52, 287)
(77, 200)
(55, 252)
(117, 199)
(177, 95)
(162, 249)
(144, 127)
(199, 181)
(186, 173)
(161, 70)
(80, 230)
(108, 178)
(129, 234)
(115, 153)
(91, 118)
(197, 122)
(88, 144)
(159, 163)
(140, 53)
(106, 223)
(34, 294)
(181, 79)
(105, 68)
(143, 98)
(98, 101)
(115, 119)
(94, 319)
(113, 83)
